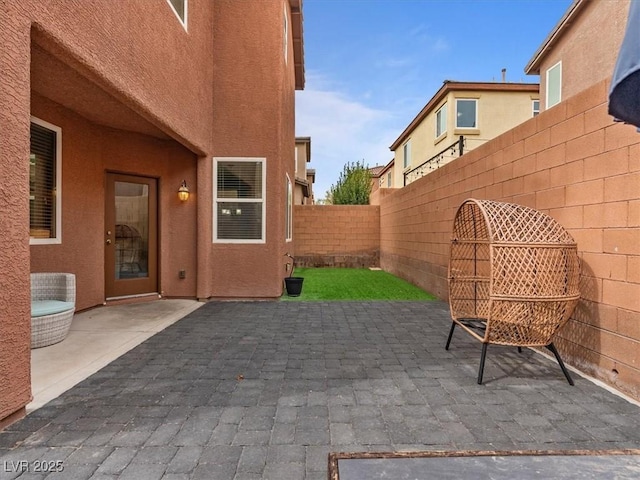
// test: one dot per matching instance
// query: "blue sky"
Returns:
(371, 65)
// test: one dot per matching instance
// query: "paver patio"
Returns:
(248, 390)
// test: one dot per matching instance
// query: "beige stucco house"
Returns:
(580, 51)
(304, 177)
(460, 117)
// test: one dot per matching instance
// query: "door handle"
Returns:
(108, 241)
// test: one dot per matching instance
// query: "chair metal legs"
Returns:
(552, 347)
(453, 326)
(482, 358)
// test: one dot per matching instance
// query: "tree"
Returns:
(353, 186)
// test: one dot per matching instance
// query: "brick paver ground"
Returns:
(253, 390)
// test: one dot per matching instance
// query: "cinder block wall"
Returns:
(573, 163)
(337, 235)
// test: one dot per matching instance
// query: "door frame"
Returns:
(118, 288)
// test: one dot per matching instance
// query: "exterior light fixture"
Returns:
(183, 191)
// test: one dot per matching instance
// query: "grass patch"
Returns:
(354, 284)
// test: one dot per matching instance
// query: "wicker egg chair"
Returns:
(513, 276)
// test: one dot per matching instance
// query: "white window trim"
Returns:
(406, 147)
(289, 227)
(217, 200)
(443, 108)
(475, 120)
(535, 111)
(186, 10)
(58, 238)
(285, 42)
(546, 99)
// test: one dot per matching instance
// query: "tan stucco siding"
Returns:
(497, 112)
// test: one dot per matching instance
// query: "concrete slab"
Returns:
(96, 338)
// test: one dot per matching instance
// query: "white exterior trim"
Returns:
(443, 108)
(186, 9)
(475, 127)
(288, 228)
(546, 93)
(217, 200)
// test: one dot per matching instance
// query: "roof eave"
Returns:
(533, 66)
(306, 141)
(298, 42)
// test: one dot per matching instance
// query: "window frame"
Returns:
(183, 22)
(406, 160)
(388, 179)
(217, 200)
(57, 240)
(557, 66)
(441, 110)
(288, 229)
(475, 101)
(535, 111)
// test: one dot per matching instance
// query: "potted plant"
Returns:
(293, 284)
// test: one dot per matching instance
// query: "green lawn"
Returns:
(354, 284)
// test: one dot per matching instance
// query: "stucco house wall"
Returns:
(586, 40)
(137, 92)
(83, 197)
(251, 49)
(499, 107)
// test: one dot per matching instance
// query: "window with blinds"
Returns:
(44, 175)
(239, 197)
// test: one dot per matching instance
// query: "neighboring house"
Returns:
(311, 179)
(304, 177)
(107, 109)
(460, 117)
(580, 51)
(381, 177)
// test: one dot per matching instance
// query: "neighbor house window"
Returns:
(466, 113)
(45, 178)
(179, 7)
(406, 151)
(239, 213)
(289, 212)
(554, 85)
(389, 180)
(535, 105)
(441, 120)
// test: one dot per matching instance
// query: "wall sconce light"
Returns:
(183, 191)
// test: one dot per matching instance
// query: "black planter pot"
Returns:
(293, 286)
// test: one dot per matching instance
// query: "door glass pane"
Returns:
(131, 230)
